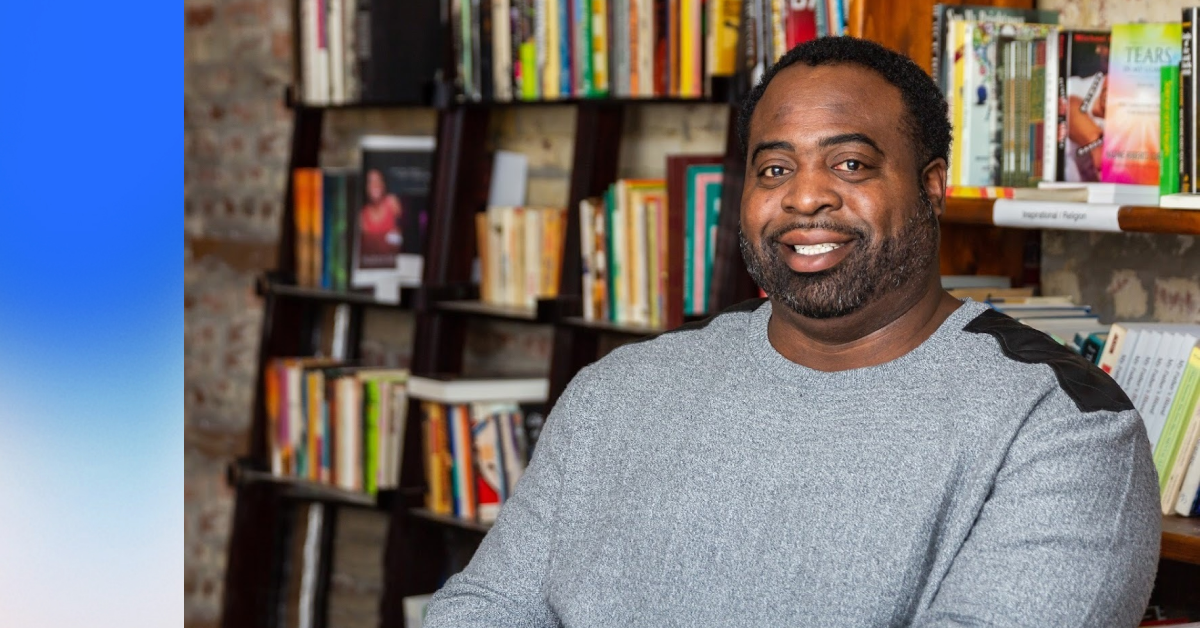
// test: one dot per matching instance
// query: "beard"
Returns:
(876, 267)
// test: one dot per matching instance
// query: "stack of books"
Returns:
(477, 439)
(1158, 366)
(648, 245)
(520, 254)
(1031, 102)
(335, 424)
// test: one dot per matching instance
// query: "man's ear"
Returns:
(933, 179)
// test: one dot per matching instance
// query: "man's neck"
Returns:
(880, 332)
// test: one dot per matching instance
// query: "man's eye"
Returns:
(850, 165)
(773, 171)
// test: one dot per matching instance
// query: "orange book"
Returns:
(301, 199)
(633, 47)
(481, 245)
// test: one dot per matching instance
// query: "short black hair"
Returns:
(928, 124)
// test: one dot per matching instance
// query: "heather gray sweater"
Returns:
(702, 479)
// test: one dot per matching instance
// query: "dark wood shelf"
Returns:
(449, 520)
(1131, 218)
(289, 291)
(302, 489)
(579, 322)
(1181, 539)
(488, 310)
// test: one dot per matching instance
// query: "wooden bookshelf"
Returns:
(267, 285)
(1181, 539)
(488, 310)
(578, 322)
(1131, 218)
(429, 516)
(296, 488)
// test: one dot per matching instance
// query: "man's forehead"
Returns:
(848, 94)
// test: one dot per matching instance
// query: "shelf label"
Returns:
(1055, 215)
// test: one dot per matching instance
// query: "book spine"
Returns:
(1167, 447)
(938, 39)
(1168, 164)
(1064, 73)
(598, 72)
(1188, 79)
(565, 60)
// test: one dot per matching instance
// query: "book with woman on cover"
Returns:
(392, 218)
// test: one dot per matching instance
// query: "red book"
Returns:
(801, 26)
(677, 166)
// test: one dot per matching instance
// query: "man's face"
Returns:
(834, 212)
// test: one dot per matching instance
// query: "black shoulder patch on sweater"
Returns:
(1090, 388)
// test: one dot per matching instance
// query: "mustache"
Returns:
(823, 225)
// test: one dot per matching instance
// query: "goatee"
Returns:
(876, 267)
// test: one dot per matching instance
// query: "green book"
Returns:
(529, 75)
(371, 403)
(712, 200)
(1168, 165)
(614, 266)
(1177, 418)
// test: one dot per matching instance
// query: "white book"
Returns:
(1124, 367)
(639, 258)
(335, 13)
(309, 35)
(350, 451)
(395, 435)
(454, 391)
(1179, 201)
(1174, 367)
(1114, 193)
(1050, 113)
(1155, 372)
(502, 75)
(1191, 486)
(533, 257)
(1144, 353)
(497, 263)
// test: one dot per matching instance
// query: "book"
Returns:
(1189, 492)
(1131, 131)
(1180, 201)
(944, 16)
(1168, 129)
(461, 390)
(391, 220)
(1189, 80)
(1083, 58)
(393, 38)
(1113, 193)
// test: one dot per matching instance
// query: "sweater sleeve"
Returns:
(505, 582)
(1069, 535)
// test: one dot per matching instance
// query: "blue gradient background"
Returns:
(91, 315)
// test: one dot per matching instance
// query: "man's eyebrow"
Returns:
(773, 145)
(849, 138)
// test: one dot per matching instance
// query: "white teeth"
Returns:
(816, 249)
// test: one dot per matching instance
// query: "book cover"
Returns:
(391, 220)
(1168, 130)
(1175, 426)
(489, 470)
(696, 236)
(1131, 135)
(1082, 77)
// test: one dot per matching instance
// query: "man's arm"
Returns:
(1070, 533)
(505, 583)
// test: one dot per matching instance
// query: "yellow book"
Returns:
(689, 48)
(958, 160)
(552, 73)
(724, 19)
(599, 47)
(315, 388)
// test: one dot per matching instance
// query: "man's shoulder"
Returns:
(1030, 360)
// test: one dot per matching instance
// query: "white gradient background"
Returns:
(91, 317)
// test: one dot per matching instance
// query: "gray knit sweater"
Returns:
(701, 479)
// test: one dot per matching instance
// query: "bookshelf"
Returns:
(418, 551)
(1132, 218)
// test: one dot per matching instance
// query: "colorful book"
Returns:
(1169, 119)
(1083, 58)
(1131, 133)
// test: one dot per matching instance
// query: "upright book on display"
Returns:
(391, 218)
(1083, 58)
(1132, 133)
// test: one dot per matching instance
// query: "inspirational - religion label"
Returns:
(1055, 215)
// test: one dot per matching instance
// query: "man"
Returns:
(861, 450)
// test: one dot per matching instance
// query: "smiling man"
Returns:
(859, 450)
